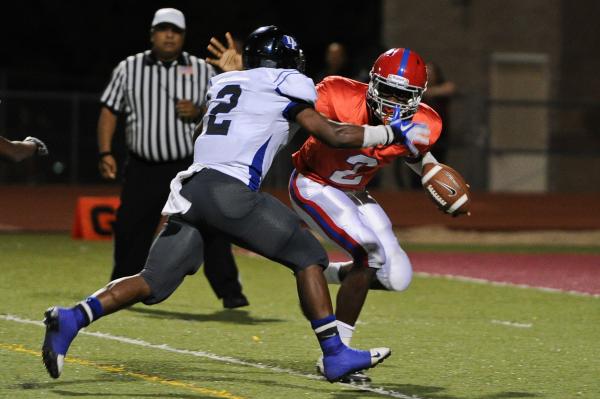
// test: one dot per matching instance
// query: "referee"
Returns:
(161, 93)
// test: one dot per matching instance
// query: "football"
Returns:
(446, 188)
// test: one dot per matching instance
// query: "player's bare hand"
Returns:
(187, 109)
(108, 167)
(226, 58)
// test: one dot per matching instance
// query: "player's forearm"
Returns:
(15, 151)
(366, 135)
(332, 133)
(345, 136)
(107, 123)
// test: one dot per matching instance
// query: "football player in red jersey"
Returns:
(327, 189)
(328, 186)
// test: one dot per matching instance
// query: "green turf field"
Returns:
(450, 339)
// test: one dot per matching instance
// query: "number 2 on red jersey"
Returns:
(352, 176)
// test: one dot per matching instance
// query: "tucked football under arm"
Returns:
(416, 164)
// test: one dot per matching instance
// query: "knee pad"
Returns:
(177, 252)
(396, 273)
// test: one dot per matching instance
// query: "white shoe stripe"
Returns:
(88, 310)
(326, 327)
(60, 361)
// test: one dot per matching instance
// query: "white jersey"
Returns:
(247, 123)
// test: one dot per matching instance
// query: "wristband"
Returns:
(377, 135)
(104, 154)
(428, 158)
(417, 167)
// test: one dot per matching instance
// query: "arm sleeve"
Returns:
(112, 97)
(299, 90)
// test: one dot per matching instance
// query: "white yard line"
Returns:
(211, 356)
(512, 324)
(505, 284)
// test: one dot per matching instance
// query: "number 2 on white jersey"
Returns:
(350, 176)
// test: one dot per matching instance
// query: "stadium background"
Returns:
(525, 121)
(495, 310)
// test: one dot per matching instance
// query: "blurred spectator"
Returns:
(438, 96)
(17, 151)
(162, 93)
(336, 62)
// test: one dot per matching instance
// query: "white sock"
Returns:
(332, 272)
(345, 331)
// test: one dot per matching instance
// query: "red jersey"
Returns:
(345, 100)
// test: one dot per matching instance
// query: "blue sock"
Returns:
(328, 335)
(88, 311)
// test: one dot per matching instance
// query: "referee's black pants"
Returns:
(143, 195)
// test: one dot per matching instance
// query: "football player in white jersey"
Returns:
(251, 115)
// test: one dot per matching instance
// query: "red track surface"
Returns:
(565, 272)
(50, 208)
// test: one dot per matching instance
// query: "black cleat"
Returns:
(357, 378)
(235, 301)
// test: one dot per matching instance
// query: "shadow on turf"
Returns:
(50, 385)
(430, 392)
(227, 316)
(509, 395)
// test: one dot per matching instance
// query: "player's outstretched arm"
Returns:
(340, 134)
(352, 136)
(17, 151)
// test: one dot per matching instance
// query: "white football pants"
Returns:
(356, 223)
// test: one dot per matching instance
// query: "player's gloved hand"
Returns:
(410, 134)
(42, 150)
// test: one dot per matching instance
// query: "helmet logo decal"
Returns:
(403, 62)
(289, 42)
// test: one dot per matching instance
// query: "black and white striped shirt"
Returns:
(147, 90)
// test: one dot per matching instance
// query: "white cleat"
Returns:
(378, 355)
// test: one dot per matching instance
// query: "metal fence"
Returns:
(571, 153)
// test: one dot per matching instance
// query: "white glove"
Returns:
(42, 150)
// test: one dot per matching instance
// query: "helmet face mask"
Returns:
(389, 101)
(269, 47)
(397, 82)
